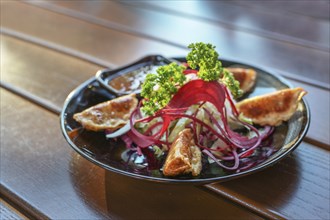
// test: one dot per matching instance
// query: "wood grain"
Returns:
(318, 9)
(72, 187)
(41, 71)
(101, 42)
(264, 22)
(231, 43)
(41, 160)
(292, 185)
(57, 45)
(9, 212)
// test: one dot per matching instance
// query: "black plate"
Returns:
(112, 155)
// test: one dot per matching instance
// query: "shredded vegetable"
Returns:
(212, 126)
(175, 99)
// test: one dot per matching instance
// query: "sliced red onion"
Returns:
(119, 132)
(236, 160)
(239, 146)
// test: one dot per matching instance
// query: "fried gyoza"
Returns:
(183, 157)
(109, 115)
(246, 78)
(273, 108)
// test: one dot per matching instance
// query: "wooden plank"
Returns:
(317, 9)
(104, 43)
(32, 76)
(298, 186)
(40, 71)
(41, 175)
(259, 51)
(60, 184)
(9, 212)
(257, 21)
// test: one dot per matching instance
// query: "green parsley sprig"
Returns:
(204, 57)
(159, 88)
(231, 83)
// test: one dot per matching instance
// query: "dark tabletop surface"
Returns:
(48, 48)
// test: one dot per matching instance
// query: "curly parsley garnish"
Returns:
(231, 83)
(159, 88)
(204, 57)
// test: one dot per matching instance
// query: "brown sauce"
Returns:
(131, 81)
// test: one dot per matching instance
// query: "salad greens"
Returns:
(202, 60)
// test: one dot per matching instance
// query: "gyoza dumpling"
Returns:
(109, 115)
(245, 77)
(183, 157)
(273, 108)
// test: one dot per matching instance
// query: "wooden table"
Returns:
(50, 47)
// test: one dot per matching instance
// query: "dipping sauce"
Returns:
(132, 81)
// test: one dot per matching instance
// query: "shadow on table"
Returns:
(117, 196)
(272, 187)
